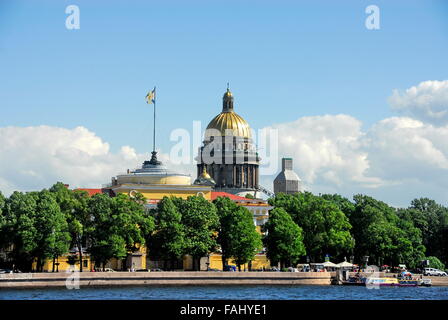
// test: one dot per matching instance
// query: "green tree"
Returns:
(238, 236)
(284, 239)
(131, 221)
(432, 220)
(19, 229)
(225, 208)
(326, 229)
(410, 248)
(168, 240)
(344, 204)
(245, 240)
(3, 239)
(118, 225)
(382, 235)
(101, 241)
(80, 222)
(52, 236)
(74, 204)
(435, 263)
(201, 224)
(373, 229)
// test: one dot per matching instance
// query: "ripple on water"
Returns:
(228, 292)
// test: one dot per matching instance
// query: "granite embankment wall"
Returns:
(31, 280)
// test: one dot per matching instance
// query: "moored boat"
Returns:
(381, 282)
(386, 282)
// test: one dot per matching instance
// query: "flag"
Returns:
(151, 96)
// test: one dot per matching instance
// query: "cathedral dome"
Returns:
(228, 120)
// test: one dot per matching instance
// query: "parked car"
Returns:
(229, 268)
(434, 272)
(6, 271)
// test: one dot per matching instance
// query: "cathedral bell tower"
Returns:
(228, 154)
(227, 101)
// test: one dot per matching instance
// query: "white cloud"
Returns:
(326, 149)
(428, 101)
(402, 148)
(332, 154)
(32, 158)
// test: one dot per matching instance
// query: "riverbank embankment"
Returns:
(62, 279)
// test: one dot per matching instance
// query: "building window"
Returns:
(85, 263)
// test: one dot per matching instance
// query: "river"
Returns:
(255, 292)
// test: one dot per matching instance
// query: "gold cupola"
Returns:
(205, 179)
(228, 120)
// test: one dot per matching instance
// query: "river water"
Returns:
(247, 292)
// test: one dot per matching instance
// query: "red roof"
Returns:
(91, 192)
(216, 194)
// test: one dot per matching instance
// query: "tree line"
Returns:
(37, 226)
(365, 227)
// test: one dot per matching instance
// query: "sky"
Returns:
(359, 110)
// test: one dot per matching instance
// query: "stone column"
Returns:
(249, 182)
(253, 176)
(228, 173)
(234, 175)
(256, 177)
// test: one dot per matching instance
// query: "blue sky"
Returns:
(284, 60)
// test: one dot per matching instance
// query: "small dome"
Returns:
(205, 174)
(227, 94)
(205, 179)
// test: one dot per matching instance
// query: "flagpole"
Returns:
(154, 129)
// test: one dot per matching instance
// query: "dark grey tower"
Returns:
(287, 181)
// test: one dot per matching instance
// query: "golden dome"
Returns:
(228, 121)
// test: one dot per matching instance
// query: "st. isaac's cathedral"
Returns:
(229, 154)
(227, 165)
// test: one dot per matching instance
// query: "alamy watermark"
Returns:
(373, 20)
(72, 22)
(72, 280)
(373, 280)
(227, 148)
